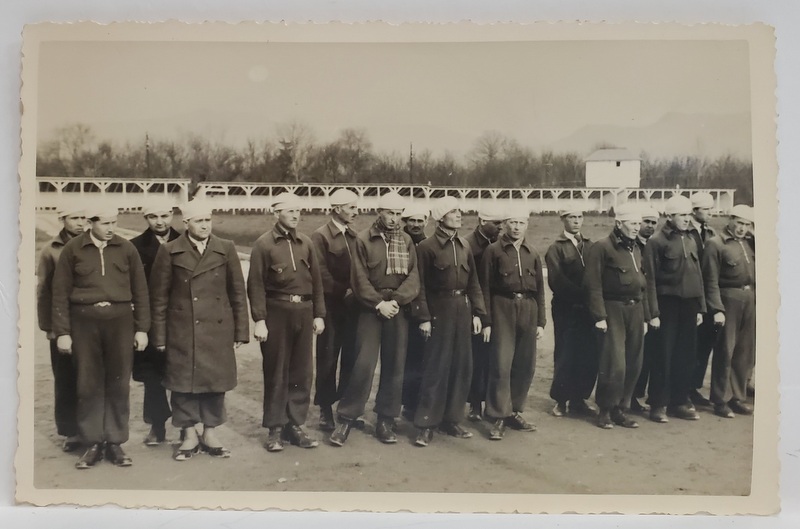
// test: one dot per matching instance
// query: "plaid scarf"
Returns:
(396, 249)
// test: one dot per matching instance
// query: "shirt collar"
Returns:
(279, 232)
(570, 237)
(341, 227)
(694, 224)
(97, 242)
(201, 245)
(506, 241)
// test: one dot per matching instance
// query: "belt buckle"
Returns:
(746, 287)
(102, 304)
(517, 295)
(294, 298)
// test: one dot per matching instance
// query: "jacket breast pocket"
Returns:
(623, 274)
(278, 274)
(122, 267)
(671, 260)
(440, 273)
(83, 269)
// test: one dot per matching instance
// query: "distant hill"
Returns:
(675, 134)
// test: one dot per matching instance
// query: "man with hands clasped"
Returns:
(451, 305)
(287, 300)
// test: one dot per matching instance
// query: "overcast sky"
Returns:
(440, 96)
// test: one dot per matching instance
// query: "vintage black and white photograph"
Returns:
(459, 268)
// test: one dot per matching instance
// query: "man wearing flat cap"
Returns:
(199, 318)
(287, 300)
(514, 297)
(335, 242)
(451, 308)
(616, 287)
(73, 222)
(101, 313)
(415, 218)
(575, 352)
(384, 280)
(729, 268)
(148, 365)
(701, 232)
(649, 224)
(676, 300)
(490, 220)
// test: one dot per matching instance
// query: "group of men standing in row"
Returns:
(453, 320)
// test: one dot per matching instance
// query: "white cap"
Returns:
(627, 212)
(196, 208)
(649, 212)
(443, 206)
(391, 200)
(101, 211)
(340, 197)
(285, 201)
(154, 207)
(415, 209)
(702, 200)
(70, 208)
(742, 211)
(490, 212)
(570, 211)
(515, 212)
(678, 205)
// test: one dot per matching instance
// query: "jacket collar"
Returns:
(562, 237)
(115, 240)
(60, 239)
(505, 242)
(335, 231)
(443, 239)
(726, 235)
(279, 232)
(183, 244)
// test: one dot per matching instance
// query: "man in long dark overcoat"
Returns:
(199, 306)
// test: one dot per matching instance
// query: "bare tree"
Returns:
(298, 137)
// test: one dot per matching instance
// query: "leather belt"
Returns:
(626, 301)
(291, 298)
(743, 287)
(517, 295)
(450, 293)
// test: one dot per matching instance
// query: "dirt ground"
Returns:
(712, 456)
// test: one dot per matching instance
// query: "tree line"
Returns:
(293, 155)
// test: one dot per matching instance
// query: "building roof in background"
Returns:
(612, 155)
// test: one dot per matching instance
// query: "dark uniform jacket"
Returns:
(371, 284)
(672, 268)
(701, 237)
(565, 269)
(147, 245)
(727, 263)
(284, 262)
(199, 311)
(506, 272)
(478, 242)
(446, 265)
(333, 249)
(44, 274)
(81, 278)
(614, 273)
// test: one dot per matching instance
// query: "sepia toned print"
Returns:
(457, 268)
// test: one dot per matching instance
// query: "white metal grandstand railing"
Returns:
(257, 197)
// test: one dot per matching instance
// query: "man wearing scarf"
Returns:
(701, 232)
(415, 218)
(618, 304)
(514, 297)
(451, 307)
(677, 303)
(287, 301)
(729, 268)
(384, 279)
(486, 232)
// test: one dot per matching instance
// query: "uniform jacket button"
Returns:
(194, 299)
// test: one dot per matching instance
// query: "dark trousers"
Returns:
(447, 367)
(189, 409)
(651, 343)
(676, 354)
(513, 356)
(66, 391)
(102, 344)
(148, 368)
(412, 371)
(576, 366)
(338, 341)
(734, 355)
(287, 363)
(387, 338)
(620, 354)
(707, 334)
(560, 312)
(481, 353)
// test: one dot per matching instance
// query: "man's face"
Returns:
(199, 227)
(159, 222)
(346, 213)
(739, 227)
(289, 217)
(74, 224)
(702, 214)
(452, 219)
(103, 228)
(416, 225)
(516, 227)
(648, 227)
(572, 222)
(491, 228)
(629, 228)
(681, 220)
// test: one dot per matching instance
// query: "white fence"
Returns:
(131, 195)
